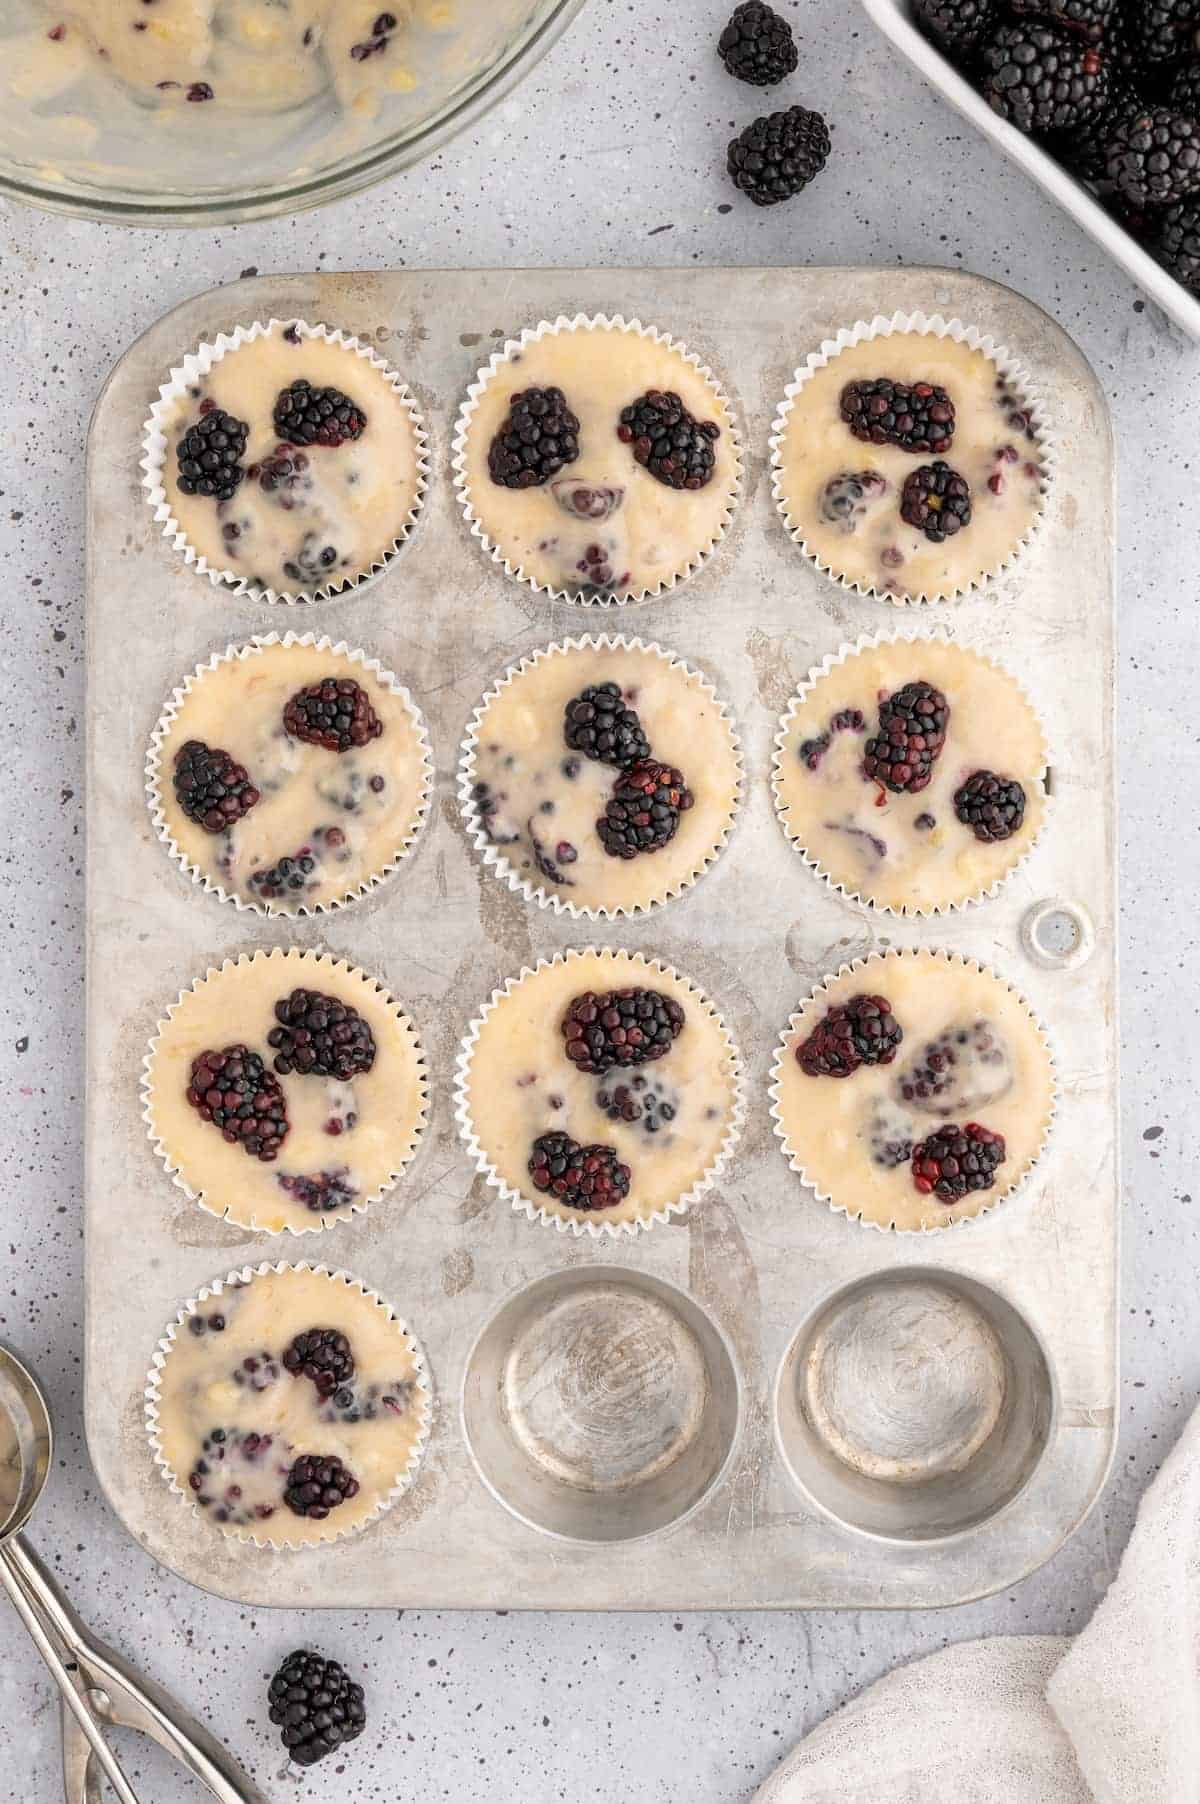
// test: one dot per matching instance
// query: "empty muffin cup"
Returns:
(601, 1405)
(914, 1405)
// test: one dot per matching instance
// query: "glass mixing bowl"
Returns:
(77, 137)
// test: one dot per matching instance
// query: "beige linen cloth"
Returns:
(1109, 1717)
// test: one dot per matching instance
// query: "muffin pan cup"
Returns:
(516, 1505)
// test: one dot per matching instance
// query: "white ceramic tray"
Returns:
(760, 1254)
(894, 19)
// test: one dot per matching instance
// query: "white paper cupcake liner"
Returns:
(423, 1389)
(528, 1205)
(314, 964)
(493, 856)
(936, 326)
(868, 968)
(595, 322)
(155, 447)
(851, 649)
(252, 648)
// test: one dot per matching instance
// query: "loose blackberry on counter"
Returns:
(757, 45)
(335, 713)
(1042, 79)
(315, 1705)
(778, 155)
(993, 807)
(305, 415)
(620, 1028)
(210, 454)
(1154, 157)
(210, 787)
(958, 26)
(915, 416)
(581, 1177)
(320, 1036)
(666, 440)
(642, 814)
(912, 732)
(539, 438)
(863, 1031)
(599, 724)
(936, 500)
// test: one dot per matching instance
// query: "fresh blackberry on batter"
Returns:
(956, 25)
(601, 725)
(757, 45)
(1154, 157)
(1042, 79)
(912, 732)
(313, 1703)
(305, 415)
(210, 787)
(848, 497)
(539, 437)
(956, 1161)
(777, 156)
(335, 713)
(580, 1177)
(642, 814)
(320, 1036)
(210, 454)
(318, 1483)
(620, 1028)
(323, 1356)
(863, 1031)
(937, 501)
(993, 807)
(668, 441)
(234, 1090)
(916, 416)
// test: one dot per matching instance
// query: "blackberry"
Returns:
(888, 1131)
(291, 872)
(321, 1191)
(777, 156)
(912, 731)
(1043, 80)
(581, 1177)
(1178, 244)
(210, 454)
(956, 25)
(848, 497)
(936, 500)
(1154, 157)
(642, 814)
(965, 1067)
(992, 807)
(599, 724)
(620, 1027)
(211, 788)
(757, 45)
(1167, 29)
(305, 415)
(863, 1031)
(284, 469)
(665, 439)
(320, 1036)
(1185, 89)
(311, 1700)
(1085, 150)
(335, 713)
(234, 1090)
(323, 1356)
(1088, 19)
(846, 720)
(539, 437)
(955, 1161)
(916, 416)
(318, 1483)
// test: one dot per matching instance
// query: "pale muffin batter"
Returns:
(326, 822)
(301, 518)
(537, 799)
(604, 527)
(347, 1139)
(853, 1136)
(856, 529)
(232, 1419)
(908, 851)
(519, 1084)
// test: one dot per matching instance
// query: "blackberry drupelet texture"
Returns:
(862, 1031)
(234, 1090)
(538, 438)
(642, 814)
(318, 1483)
(323, 1356)
(668, 441)
(936, 500)
(956, 1161)
(320, 1036)
(993, 807)
(581, 1177)
(915, 416)
(757, 45)
(210, 453)
(210, 787)
(1042, 79)
(305, 415)
(778, 155)
(957, 26)
(1154, 157)
(1178, 244)
(313, 1703)
(620, 1028)
(600, 724)
(335, 713)
(912, 732)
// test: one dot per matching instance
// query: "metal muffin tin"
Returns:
(722, 1412)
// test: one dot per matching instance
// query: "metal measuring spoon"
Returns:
(97, 1685)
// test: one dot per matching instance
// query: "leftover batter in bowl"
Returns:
(288, 1404)
(285, 1091)
(597, 460)
(911, 773)
(913, 1090)
(600, 1091)
(601, 775)
(287, 460)
(908, 463)
(289, 774)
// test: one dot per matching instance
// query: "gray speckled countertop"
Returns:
(533, 1706)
